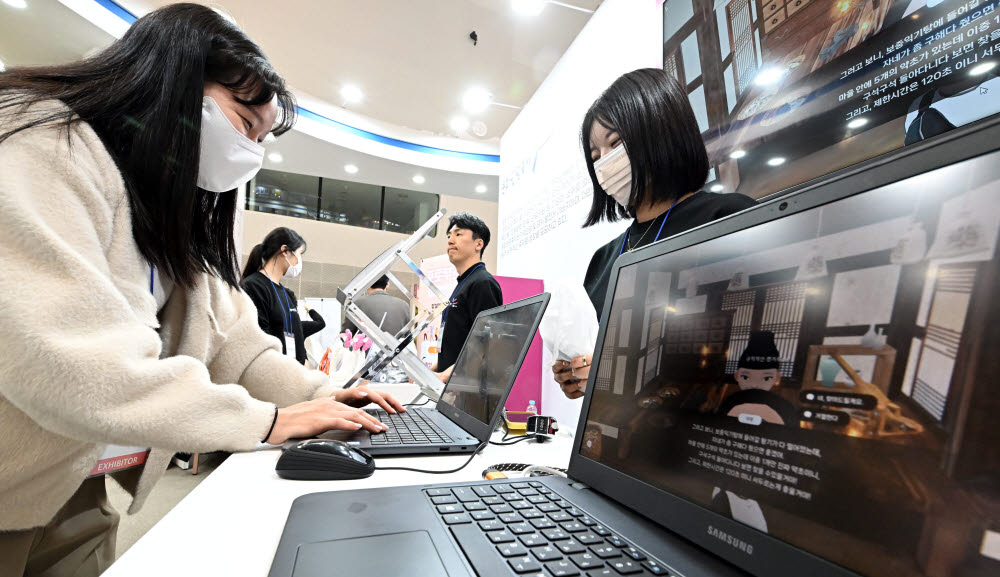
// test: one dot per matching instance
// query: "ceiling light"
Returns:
(418, 178)
(19, 4)
(2, 66)
(776, 161)
(476, 100)
(351, 93)
(275, 157)
(982, 68)
(769, 76)
(717, 188)
(528, 7)
(479, 128)
(459, 123)
(737, 154)
(481, 188)
(350, 169)
(857, 123)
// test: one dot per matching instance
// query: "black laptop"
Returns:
(473, 398)
(806, 388)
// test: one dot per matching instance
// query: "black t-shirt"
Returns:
(273, 312)
(698, 209)
(477, 291)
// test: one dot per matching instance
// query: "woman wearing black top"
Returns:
(280, 255)
(647, 162)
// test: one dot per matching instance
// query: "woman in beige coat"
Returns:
(118, 178)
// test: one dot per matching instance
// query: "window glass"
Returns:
(284, 193)
(406, 210)
(351, 203)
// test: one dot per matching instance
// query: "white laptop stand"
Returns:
(393, 348)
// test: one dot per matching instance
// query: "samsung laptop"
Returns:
(808, 387)
(473, 398)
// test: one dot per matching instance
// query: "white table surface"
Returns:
(230, 524)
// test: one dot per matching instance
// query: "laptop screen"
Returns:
(489, 360)
(829, 378)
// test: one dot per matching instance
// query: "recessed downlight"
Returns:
(776, 161)
(528, 7)
(476, 100)
(418, 179)
(350, 169)
(459, 123)
(351, 93)
(481, 188)
(275, 157)
(737, 154)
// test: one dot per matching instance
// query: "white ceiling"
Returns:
(46, 33)
(413, 59)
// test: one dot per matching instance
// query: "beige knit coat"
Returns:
(85, 360)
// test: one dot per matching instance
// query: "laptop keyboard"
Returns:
(528, 529)
(409, 428)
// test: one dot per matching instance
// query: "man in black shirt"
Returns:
(477, 290)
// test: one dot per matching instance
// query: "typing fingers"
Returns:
(386, 401)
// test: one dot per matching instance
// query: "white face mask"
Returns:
(614, 174)
(293, 270)
(228, 159)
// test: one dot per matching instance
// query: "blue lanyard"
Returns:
(151, 269)
(286, 314)
(665, 217)
(624, 240)
(451, 299)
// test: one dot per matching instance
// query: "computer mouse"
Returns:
(324, 460)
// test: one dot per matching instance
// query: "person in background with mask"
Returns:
(118, 178)
(279, 256)
(647, 162)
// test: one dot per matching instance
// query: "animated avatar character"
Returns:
(758, 372)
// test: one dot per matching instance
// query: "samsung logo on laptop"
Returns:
(728, 539)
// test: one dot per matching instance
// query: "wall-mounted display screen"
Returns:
(789, 90)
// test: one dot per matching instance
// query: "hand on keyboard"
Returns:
(362, 395)
(413, 428)
(317, 416)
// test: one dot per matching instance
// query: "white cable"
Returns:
(543, 469)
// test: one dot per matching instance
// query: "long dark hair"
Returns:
(651, 113)
(271, 246)
(143, 98)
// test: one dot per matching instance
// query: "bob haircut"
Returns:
(650, 111)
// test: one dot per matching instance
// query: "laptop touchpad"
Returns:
(395, 554)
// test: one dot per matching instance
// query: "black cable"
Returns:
(417, 404)
(514, 442)
(474, 453)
